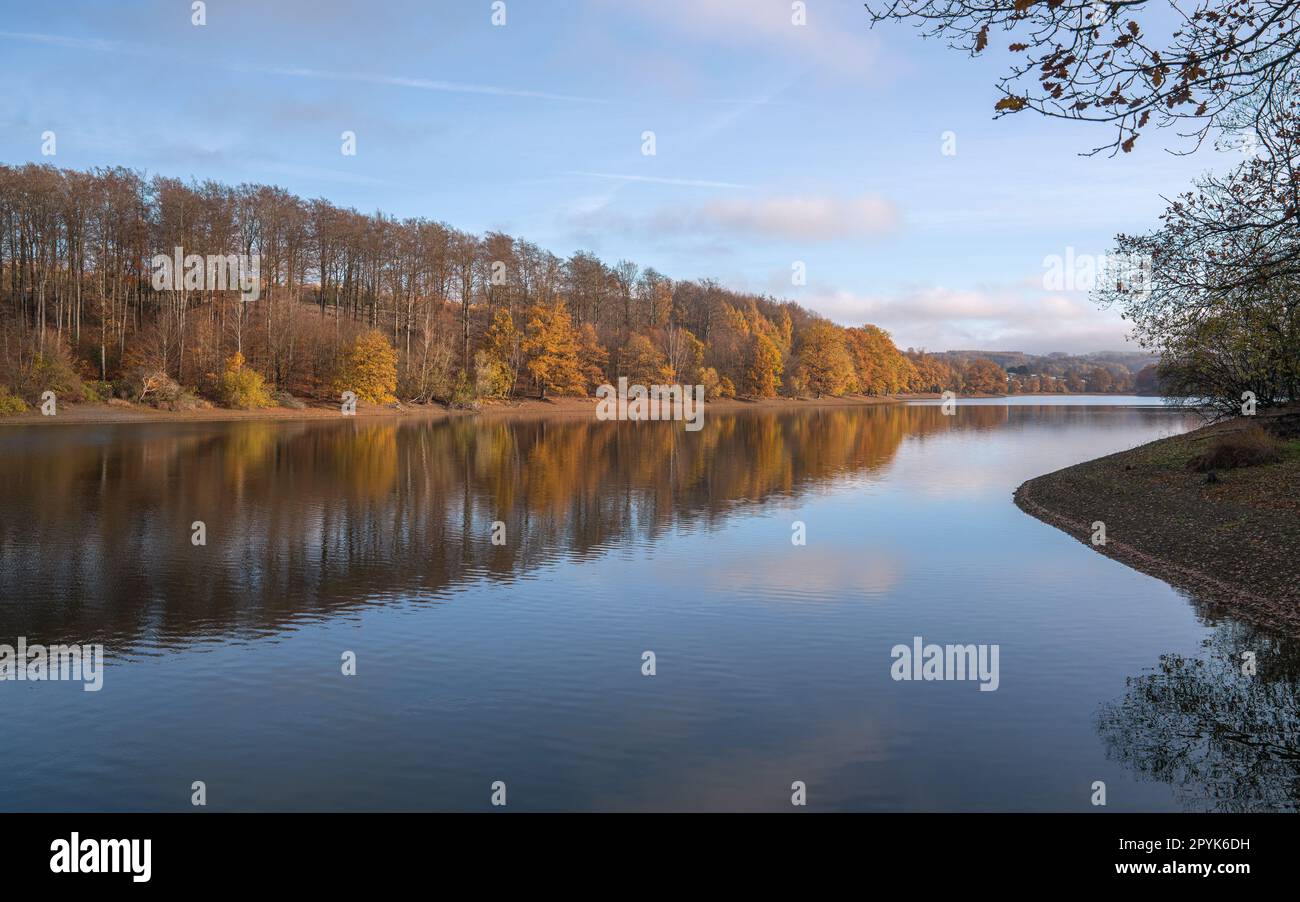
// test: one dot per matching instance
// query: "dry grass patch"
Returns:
(1249, 447)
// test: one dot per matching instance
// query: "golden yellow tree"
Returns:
(504, 347)
(824, 366)
(551, 347)
(243, 387)
(369, 369)
(643, 363)
(592, 357)
(881, 368)
(763, 367)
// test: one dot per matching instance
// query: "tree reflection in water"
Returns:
(307, 519)
(1223, 739)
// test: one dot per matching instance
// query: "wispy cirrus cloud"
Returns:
(396, 81)
(57, 40)
(422, 84)
(658, 180)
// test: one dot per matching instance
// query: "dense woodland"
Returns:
(406, 309)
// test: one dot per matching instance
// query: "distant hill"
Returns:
(1056, 363)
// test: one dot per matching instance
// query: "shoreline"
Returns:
(103, 413)
(92, 413)
(1231, 543)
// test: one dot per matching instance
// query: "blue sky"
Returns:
(774, 143)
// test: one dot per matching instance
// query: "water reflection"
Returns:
(524, 658)
(1222, 738)
(96, 538)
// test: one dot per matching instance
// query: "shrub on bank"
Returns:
(369, 369)
(145, 385)
(96, 392)
(155, 388)
(1249, 447)
(11, 405)
(243, 387)
(462, 398)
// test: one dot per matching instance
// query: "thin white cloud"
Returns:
(423, 84)
(801, 218)
(61, 41)
(689, 183)
(805, 218)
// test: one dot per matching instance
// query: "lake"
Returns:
(521, 660)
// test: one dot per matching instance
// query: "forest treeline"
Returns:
(408, 309)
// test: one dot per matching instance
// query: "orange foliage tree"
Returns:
(823, 364)
(551, 347)
(763, 367)
(643, 363)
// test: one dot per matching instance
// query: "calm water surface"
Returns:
(522, 662)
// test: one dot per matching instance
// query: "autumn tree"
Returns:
(983, 376)
(504, 346)
(880, 367)
(592, 357)
(716, 386)
(931, 374)
(242, 387)
(643, 363)
(551, 350)
(369, 369)
(763, 367)
(684, 353)
(1100, 379)
(823, 363)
